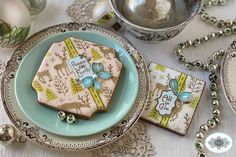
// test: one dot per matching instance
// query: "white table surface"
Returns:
(167, 144)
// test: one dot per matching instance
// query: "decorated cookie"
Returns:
(77, 77)
(174, 97)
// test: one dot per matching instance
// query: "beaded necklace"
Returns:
(227, 27)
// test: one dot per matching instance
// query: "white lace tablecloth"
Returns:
(167, 144)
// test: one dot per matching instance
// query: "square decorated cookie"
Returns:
(174, 97)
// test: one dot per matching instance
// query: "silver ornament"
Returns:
(15, 24)
(7, 134)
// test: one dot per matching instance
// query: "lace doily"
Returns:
(135, 143)
(82, 10)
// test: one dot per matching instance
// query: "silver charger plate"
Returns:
(55, 142)
(228, 76)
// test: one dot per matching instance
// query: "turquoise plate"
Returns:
(121, 103)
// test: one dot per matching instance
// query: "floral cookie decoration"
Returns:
(99, 72)
(77, 78)
(182, 96)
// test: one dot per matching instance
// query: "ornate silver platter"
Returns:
(228, 76)
(55, 142)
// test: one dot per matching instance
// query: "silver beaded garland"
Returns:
(228, 28)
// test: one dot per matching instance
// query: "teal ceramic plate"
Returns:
(121, 103)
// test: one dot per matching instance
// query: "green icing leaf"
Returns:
(37, 86)
(50, 95)
(154, 114)
(160, 68)
(193, 104)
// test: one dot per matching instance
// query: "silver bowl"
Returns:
(155, 20)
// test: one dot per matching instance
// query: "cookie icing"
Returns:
(59, 81)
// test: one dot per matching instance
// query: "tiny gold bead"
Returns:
(208, 4)
(189, 43)
(204, 128)
(213, 87)
(227, 31)
(229, 23)
(181, 46)
(201, 154)
(205, 67)
(199, 145)
(222, 52)
(222, 2)
(214, 2)
(213, 20)
(234, 22)
(216, 103)
(212, 35)
(205, 38)
(233, 29)
(178, 50)
(211, 123)
(221, 23)
(199, 135)
(213, 67)
(214, 94)
(216, 112)
(217, 120)
(204, 16)
(219, 33)
(197, 64)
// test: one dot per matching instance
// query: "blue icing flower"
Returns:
(99, 72)
(183, 96)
